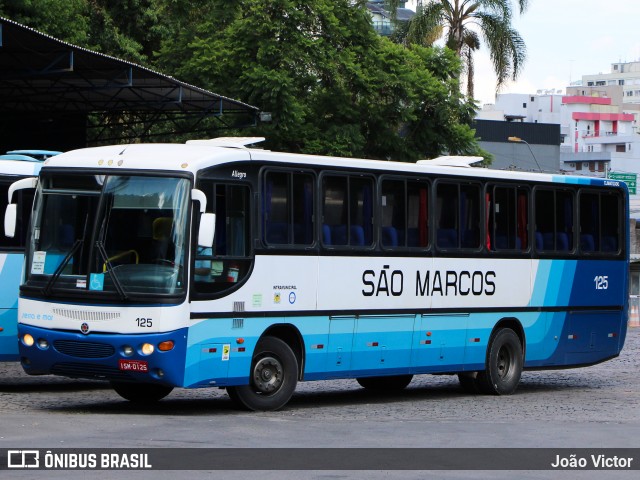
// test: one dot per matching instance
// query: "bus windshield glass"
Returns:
(109, 234)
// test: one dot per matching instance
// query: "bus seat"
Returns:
(562, 242)
(357, 235)
(413, 237)
(326, 234)
(609, 243)
(539, 241)
(277, 232)
(339, 234)
(470, 239)
(587, 244)
(502, 242)
(389, 237)
(447, 237)
(547, 241)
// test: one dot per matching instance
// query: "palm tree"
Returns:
(457, 22)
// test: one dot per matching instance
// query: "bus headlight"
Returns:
(28, 340)
(43, 344)
(127, 350)
(147, 349)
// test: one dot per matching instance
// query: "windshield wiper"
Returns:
(112, 273)
(54, 278)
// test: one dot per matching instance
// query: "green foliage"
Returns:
(330, 83)
(63, 19)
(452, 21)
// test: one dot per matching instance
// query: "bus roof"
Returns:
(35, 154)
(197, 155)
(23, 162)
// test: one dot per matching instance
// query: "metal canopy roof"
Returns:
(41, 74)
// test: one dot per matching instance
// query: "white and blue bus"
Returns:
(211, 264)
(14, 165)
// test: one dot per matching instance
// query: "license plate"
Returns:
(134, 365)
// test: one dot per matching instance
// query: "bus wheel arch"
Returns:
(515, 325)
(292, 337)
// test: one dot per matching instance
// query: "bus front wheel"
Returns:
(141, 392)
(272, 380)
(504, 364)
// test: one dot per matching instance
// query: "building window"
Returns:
(524, 105)
(621, 148)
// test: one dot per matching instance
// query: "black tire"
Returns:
(395, 382)
(469, 382)
(272, 380)
(141, 392)
(504, 364)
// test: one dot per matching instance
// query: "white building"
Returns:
(597, 136)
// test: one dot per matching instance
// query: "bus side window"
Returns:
(507, 218)
(404, 214)
(599, 222)
(458, 215)
(229, 261)
(288, 208)
(554, 220)
(347, 211)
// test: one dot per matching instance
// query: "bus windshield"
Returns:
(109, 234)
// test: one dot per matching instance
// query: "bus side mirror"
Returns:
(207, 230)
(11, 213)
(10, 218)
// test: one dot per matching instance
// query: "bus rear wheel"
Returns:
(272, 380)
(395, 382)
(504, 364)
(141, 392)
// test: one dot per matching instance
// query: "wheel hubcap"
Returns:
(268, 375)
(504, 362)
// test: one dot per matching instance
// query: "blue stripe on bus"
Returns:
(363, 347)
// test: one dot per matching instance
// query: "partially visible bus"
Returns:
(215, 265)
(14, 165)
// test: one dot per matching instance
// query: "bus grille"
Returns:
(83, 349)
(86, 315)
(96, 372)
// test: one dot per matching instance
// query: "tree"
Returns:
(64, 19)
(330, 83)
(455, 20)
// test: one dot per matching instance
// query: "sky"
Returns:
(565, 39)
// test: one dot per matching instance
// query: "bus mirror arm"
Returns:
(201, 198)
(11, 213)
